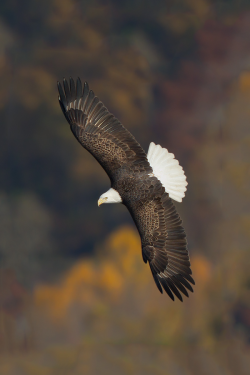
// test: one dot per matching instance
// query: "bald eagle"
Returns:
(145, 184)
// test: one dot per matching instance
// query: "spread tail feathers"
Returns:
(167, 169)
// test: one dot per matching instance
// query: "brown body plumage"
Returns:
(163, 238)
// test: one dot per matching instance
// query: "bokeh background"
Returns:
(75, 295)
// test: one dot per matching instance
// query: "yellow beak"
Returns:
(101, 201)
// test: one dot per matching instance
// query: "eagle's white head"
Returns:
(111, 196)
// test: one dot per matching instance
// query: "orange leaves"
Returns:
(124, 247)
(110, 279)
(202, 269)
(74, 288)
(44, 296)
(82, 272)
(114, 295)
(244, 82)
(88, 281)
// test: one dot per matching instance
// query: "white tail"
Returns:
(167, 169)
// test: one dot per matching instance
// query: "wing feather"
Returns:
(99, 131)
(164, 244)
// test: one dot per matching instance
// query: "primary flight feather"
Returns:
(144, 183)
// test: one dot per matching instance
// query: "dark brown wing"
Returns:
(164, 243)
(99, 131)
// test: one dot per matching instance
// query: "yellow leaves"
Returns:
(119, 267)
(75, 287)
(83, 283)
(180, 22)
(117, 288)
(110, 279)
(48, 298)
(124, 246)
(82, 272)
(125, 239)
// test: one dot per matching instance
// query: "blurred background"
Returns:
(75, 295)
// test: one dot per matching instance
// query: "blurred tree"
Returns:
(26, 245)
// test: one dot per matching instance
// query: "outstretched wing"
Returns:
(99, 131)
(164, 243)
